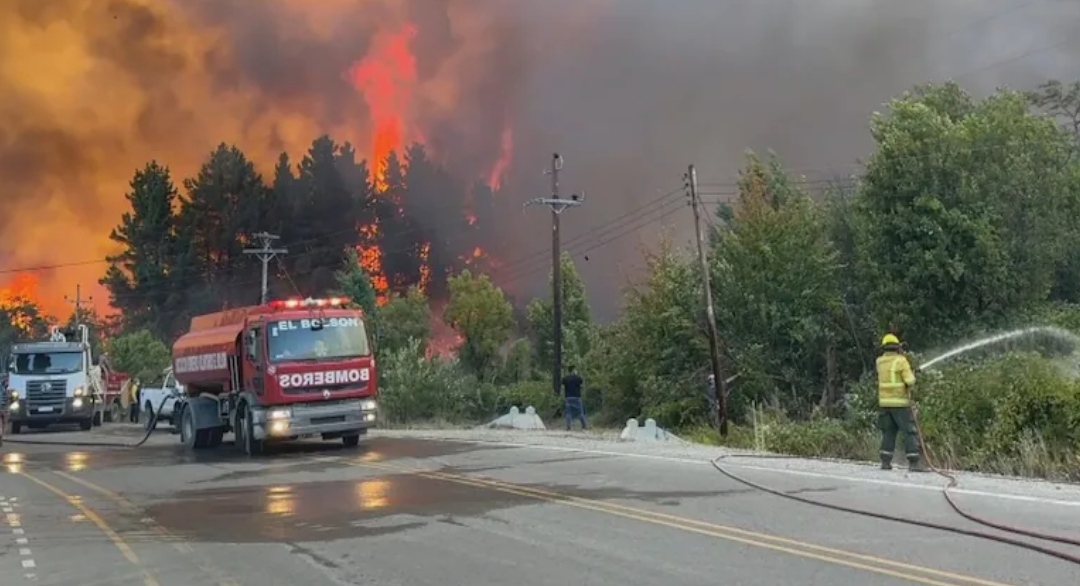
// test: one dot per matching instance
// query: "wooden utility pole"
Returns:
(78, 303)
(714, 343)
(557, 205)
(266, 254)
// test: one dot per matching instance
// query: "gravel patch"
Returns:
(751, 463)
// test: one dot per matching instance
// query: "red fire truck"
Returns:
(288, 369)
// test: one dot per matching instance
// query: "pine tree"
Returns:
(141, 278)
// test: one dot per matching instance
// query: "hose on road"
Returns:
(946, 491)
(150, 426)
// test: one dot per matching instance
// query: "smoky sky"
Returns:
(629, 92)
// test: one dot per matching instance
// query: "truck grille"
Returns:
(317, 391)
(40, 393)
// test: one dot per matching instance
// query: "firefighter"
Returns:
(133, 408)
(895, 381)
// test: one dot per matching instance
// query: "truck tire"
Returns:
(350, 441)
(86, 424)
(245, 433)
(97, 418)
(192, 439)
(16, 428)
(116, 411)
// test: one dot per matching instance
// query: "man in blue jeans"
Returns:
(573, 408)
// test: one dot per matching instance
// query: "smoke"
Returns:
(628, 91)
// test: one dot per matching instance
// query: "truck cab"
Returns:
(52, 383)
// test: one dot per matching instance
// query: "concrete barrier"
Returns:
(515, 419)
(645, 433)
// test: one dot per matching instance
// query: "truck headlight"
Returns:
(15, 405)
(14, 395)
(278, 414)
(368, 405)
(77, 403)
(79, 392)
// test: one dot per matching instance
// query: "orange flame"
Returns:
(387, 78)
(21, 291)
(506, 157)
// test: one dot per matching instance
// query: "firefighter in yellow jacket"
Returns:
(895, 381)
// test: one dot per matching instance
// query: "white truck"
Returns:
(54, 382)
(161, 400)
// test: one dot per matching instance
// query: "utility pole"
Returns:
(714, 345)
(266, 254)
(557, 205)
(77, 302)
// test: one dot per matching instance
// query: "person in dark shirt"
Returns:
(573, 407)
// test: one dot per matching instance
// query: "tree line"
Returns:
(961, 222)
(182, 245)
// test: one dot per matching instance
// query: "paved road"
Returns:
(415, 512)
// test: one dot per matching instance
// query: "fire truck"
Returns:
(288, 369)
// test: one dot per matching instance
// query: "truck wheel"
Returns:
(86, 424)
(150, 422)
(245, 432)
(350, 441)
(192, 439)
(16, 428)
(97, 418)
(116, 412)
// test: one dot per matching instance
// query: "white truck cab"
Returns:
(54, 382)
(161, 400)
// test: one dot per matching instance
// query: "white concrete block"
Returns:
(645, 433)
(515, 419)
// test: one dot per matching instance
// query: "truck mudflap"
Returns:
(335, 418)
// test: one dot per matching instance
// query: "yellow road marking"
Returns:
(752, 538)
(125, 549)
(177, 541)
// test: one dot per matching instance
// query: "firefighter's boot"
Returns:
(915, 464)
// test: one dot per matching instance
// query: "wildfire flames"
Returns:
(163, 65)
(14, 298)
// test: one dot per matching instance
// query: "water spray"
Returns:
(1051, 331)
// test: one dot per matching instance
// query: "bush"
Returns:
(1020, 413)
(413, 388)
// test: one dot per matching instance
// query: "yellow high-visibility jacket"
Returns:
(894, 377)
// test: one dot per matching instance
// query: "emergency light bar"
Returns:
(309, 302)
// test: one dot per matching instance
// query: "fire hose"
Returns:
(150, 426)
(946, 491)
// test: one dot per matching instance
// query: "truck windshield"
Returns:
(339, 337)
(47, 363)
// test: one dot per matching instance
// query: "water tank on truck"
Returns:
(285, 370)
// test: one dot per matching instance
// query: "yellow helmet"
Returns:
(890, 340)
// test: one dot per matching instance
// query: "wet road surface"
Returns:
(414, 512)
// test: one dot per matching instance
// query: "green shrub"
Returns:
(414, 388)
(524, 394)
(1019, 412)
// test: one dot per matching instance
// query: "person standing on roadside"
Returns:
(895, 381)
(573, 408)
(133, 407)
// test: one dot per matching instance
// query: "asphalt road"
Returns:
(415, 512)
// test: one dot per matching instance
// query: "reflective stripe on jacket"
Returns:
(894, 377)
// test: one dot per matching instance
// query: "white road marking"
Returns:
(13, 522)
(733, 463)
